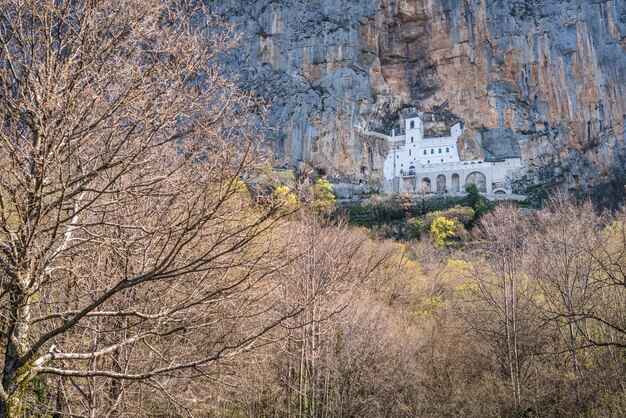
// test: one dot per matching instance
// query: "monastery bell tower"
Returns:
(414, 128)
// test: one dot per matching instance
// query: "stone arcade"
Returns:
(432, 165)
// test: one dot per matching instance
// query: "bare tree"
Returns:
(345, 354)
(570, 257)
(497, 308)
(328, 267)
(608, 307)
(129, 247)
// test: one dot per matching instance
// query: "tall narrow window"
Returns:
(412, 124)
(439, 150)
(432, 151)
(411, 140)
(447, 150)
(409, 153)
(424, 152)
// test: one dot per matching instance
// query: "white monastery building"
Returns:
(432, 165)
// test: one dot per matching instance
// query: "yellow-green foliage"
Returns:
(285, 200)
(238, 186)
(467, 288)
(323, 198)
(614, 233)
(456, 270)
(442, 229)
(271, 177)
(416, 226)
(460, 214)
(457, 265)
(429, 306)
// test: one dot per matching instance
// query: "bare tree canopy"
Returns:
(152, 263)
(123, 223)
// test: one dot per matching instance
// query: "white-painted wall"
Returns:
(413, 158)
(413, 150)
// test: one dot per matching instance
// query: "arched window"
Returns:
(432, 151)
(424, 152)
(412, 124)
(447, 150)
(439, 150)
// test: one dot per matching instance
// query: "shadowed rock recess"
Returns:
(544, 79)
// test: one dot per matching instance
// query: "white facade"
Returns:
(424, 165)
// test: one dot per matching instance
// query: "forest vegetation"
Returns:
(152, 264)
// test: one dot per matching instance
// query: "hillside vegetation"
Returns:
(526, 318)
(153, 264)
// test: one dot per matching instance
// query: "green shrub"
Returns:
(416, 227)
(442, 230)
(462, 214)
(323, 202)
(285, 200)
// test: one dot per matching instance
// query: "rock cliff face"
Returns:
(543, 78)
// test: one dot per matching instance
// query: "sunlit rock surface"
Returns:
(544, 79)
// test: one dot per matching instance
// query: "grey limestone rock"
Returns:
(542, 79)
